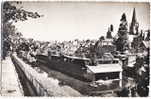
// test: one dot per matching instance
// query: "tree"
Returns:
(148, 35)
(121, 42)
(111, 27)
(109, 35)
(101, 38)
(122, 32)
(10, 14)
(141, 36)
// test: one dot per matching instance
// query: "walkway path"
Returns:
(10, 82)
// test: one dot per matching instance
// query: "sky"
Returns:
(82, 20)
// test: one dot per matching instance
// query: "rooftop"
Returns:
(102, 68)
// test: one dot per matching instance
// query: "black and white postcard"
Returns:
(75, 48)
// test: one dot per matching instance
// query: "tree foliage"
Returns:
(123, 27)
(101, 38)
(108, 35)
(121, 42)
(11, 14)
(148, 35)
(109, 32)
(111, 27)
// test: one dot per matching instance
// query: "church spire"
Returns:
(134, 17)
(134, 24)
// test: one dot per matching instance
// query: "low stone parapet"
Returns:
(44, 85)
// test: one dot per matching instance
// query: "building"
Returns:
(135, 37)
(133, 30)
(105, 46)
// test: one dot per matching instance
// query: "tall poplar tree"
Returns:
(121, 42)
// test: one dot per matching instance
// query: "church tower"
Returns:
(134, 25)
